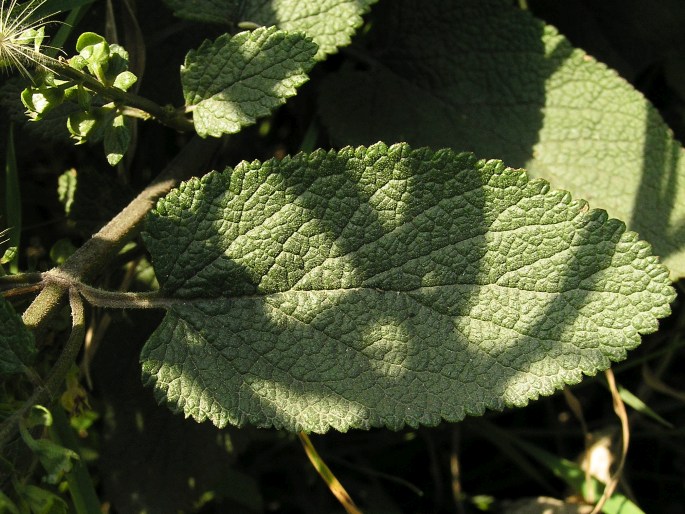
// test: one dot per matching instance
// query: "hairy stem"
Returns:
(19, 279)
(110, 299)
(96, 253)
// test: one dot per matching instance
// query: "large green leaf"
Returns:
(17, 348)
(232, 81)
(481, 75)
(385, 286)
(330, 23)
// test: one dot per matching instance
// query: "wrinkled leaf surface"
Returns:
(386, 287)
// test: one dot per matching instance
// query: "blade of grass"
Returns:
(331, 481)
(12, 205)
(638, 405)
(81, 486)
(310, 136)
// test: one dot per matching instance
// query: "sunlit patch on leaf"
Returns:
(386, 286)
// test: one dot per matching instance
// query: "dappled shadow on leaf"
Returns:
(232, 81)
(467, 75)
(311, 357)
(384, 287)
(658, 190)
(330, 24)
(485, 77)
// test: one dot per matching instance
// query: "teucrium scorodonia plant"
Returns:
(380, 285)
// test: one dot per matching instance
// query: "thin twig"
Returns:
(20, 279)
(577, 409)
(620, 409)
(111, 299)
(20, 291)
(91, 258)
(167, 115)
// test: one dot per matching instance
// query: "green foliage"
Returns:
(330, 23)
(56, 459)
(17, 347)
(500, 83)
(37, 500)
(230, 82)
(379, 286)
(398, 285)
(93, 121)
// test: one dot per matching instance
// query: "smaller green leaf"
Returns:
(17, 348)
(39, 416)
(9, 255)
(117, 139)
(90, 126)
(92, 47)
(61, 251)
(118, 58)
(125, 80)
(232, 81)
(330, 23)
(83, 97)
(52, 127)
(38, 35)
(66, 188)
(40, 100)
(96, 52)
(7, 505)
(118, 64)
(56, 459)
(80, 125)
(77, 62)
(41, 501)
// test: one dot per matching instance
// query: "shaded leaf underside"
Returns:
(386, 286)
(483, 76)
